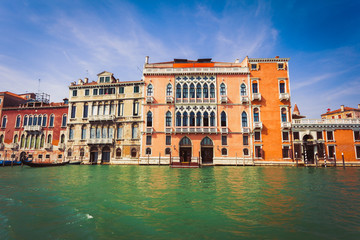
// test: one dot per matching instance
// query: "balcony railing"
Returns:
(100, 118)
(258, 125)
(286, 125)
(149, 130)
(224, 130)
(169, 99)
(224, 99)
(195, 130)
(149, 99)
(284, 96)
(48, 146)
(168, 130)
(14, 146)
(61, 146)
(244, 99)
(36, 128)
(256, 96)
(326, 121)
(245, 130)
(102, 141)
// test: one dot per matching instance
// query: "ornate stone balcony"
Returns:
(61, 146)
(284, 96)
(244, 99)
(168, 130)
(149, 130)
(256, 96)
(324, 123)
(36, 128)
(195, 130)
(149, 99)
(245, 130)
(169, 99)
(286, 125)
(224, 99)
(224, 130)
(48, 146)
(14, 146)
(101, 118)
(100, 141)
(258, 125)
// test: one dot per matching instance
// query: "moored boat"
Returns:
(9, 163)
(30, 163)
(75, 163)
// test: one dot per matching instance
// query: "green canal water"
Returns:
(152, 202)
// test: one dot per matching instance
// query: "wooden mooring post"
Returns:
(159, 158)
(296, 159)
(316, 159)
(236, 159)
(343, 160)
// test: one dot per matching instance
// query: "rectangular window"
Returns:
(71, 133)
(40, 156)
(285, 136)
(357, 135)
(319, 135)
(258, 152)
(101, 79)
(245, 140)
(121, 90)
(223, 140)
(134, 132)
(98, 132)
(285, 151)
(136, 89)
(73, 111)
(87, 92)
(135, 108)
(121, 109)
(60, 156)
(74, 93)
(357, 149)
(92, 132)
(296, 135)
(107, 79)
(95, 92)
(282, 87)
(330, 135)
(85, 113)
(255, 87)
(83, 133)
(281, 66)
(331, 151)
(47, 155)
(168, 140)
(148, 140)
(253, 66)
(257, 136)
(119, 133)
(101, 91)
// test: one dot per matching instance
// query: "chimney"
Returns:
(342, 108)
(80, 81)
(147, 60)
(86, 80)
(276, 56)
(358, 106)
(237, 60)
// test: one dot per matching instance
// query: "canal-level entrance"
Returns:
(207, 150)
(185, 150)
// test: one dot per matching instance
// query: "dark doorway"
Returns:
(93, 155)
(185, 150)
(105, 155)
(308, 147)
(207, 150)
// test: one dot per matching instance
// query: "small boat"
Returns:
(30, 163)
(75, 163)
(8, 163)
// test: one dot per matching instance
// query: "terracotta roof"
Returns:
(296, 109)
(12, 94)
(346, 109)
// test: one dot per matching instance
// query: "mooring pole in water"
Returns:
(200, 159)
(170, 158)
(296, 159)
(236, 159)
(4, 159)
(159, 158)
(148, 158)
(316, 159)
(342, 155)
(335, 159)
(324, 157)
(305, 157)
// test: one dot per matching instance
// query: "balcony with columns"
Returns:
(149, 99)
(284, 96)
(286, 125)
(256, 96)
(169, 99)
(258, 125)
(195, 130)
(48, 146)
(14, 146)
(224, 99)
(101, 118)
(244, 99)
(100, 141)
(245, 130)
(33, 128)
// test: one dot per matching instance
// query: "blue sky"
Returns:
(62, 41)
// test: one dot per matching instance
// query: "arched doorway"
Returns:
(105, 155)
(308, 147)
(93, 155)
(207, 150)
(185, 149)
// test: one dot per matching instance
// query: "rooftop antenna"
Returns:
(39, 85)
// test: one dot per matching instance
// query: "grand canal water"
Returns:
(152, 202)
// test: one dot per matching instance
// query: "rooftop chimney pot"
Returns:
(147, 60)
(342, 108)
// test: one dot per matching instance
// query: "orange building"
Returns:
(218, 113)
(342, 113)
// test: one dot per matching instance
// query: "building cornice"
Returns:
(188, 71)
(258, 60)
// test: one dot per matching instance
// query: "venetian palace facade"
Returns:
(217, 113)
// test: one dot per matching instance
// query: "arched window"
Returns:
(282, 87)
(255, 87)
(82, 152)
(256, 115)
(118, 153)
(168, 119)
(178, 119)
(69, 152)
(150, 90)
(192, 119)
(83, 132)
(27, 142)
(22, 141)
(39, 120)
(223, 119)
(169, 90)
(133, 152)
(37, 142)
(178, 91)
(18, 121)
(134, 132)
(63, 123)
(206, 142)
(167, 151)
(42, 141)
(185, 141)
(283, 115)
(206, 91)
(224, 151)
(35, 120)
(243, 90)
(49, 139)
(119, 132)
(206, 119)
(149, 119)
(244, 121)
(30, 120)
(148, 151)
(62, 138)
(25, 120)
(44, 120)
(51, 123)
(222, 89)
(4, 120)
(71, 132)
(185, 91)
(212, 119)
(246, 151)
(185, 119)
(15, 138)
(212, 90)
(192, 91)
(198, 119)
(198, 90)
(1, 138)
(32, 142)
